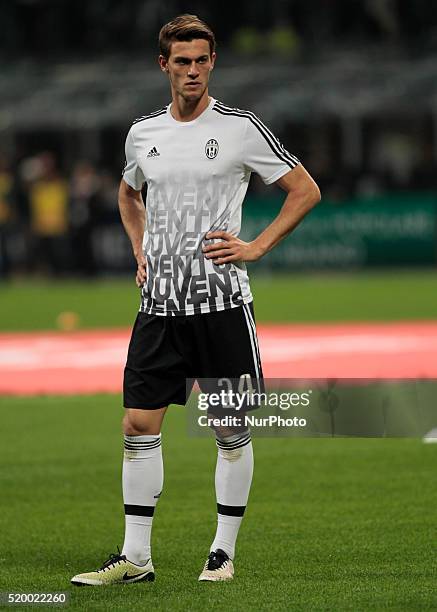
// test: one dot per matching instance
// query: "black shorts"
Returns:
(165, 352)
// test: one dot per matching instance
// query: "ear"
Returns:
(163, 63)
(213, 56)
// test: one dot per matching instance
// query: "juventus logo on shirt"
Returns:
(211, 148)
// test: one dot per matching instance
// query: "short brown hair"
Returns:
(184, 28)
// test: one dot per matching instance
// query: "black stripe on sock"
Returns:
(133, 440)
(231, 510)
(241, 441)
(139, 510)
(235, 446)
(130, 446)
(227, 441)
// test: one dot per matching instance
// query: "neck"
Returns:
(188, 110)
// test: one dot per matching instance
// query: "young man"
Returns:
(196, 317)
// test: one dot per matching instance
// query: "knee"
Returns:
(222, 432)
(139, 425)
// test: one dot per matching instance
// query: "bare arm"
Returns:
(302, 195)
(133, 216)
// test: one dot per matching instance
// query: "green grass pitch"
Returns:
(332, 524)
(375, 296)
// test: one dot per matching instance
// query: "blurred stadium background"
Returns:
(351, 89)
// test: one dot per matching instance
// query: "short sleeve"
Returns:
(132, 173)
(264, 154)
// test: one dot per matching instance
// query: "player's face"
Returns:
(189, 67)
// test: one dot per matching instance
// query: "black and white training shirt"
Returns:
(197, 173)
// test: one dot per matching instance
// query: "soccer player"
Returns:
(196, 317)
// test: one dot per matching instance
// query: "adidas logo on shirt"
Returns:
(153, 152)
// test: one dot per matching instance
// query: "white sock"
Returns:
(143, 477)
(233, 477)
